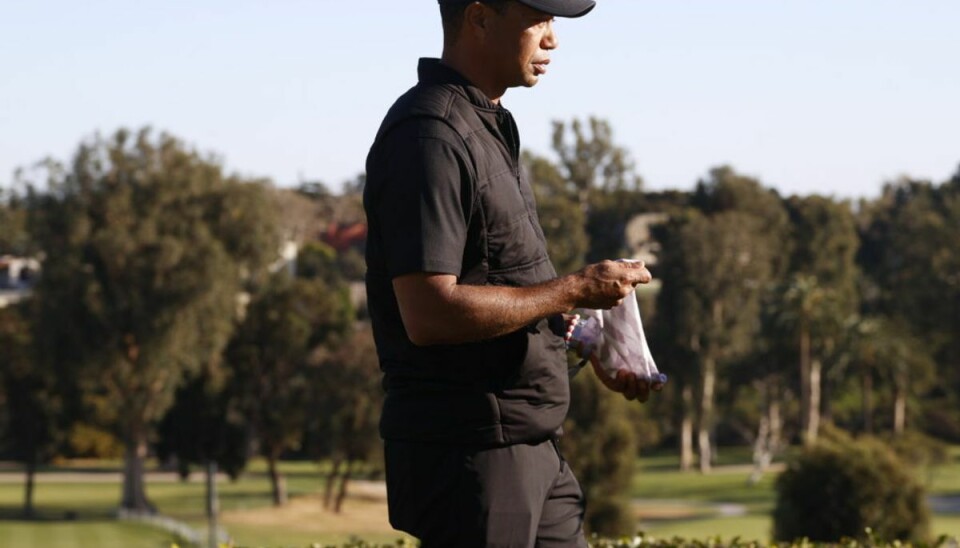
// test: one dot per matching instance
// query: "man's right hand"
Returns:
(604, 285)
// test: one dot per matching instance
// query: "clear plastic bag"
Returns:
(615, 338)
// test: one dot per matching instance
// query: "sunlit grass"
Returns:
(751, 527)
(80, 534)
(695, 496)
(79, 513)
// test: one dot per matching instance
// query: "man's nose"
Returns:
(550, 40)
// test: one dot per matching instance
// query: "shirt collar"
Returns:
(433, 71)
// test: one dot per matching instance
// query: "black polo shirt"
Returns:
(445, 194)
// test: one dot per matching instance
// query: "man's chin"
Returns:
(526, 81)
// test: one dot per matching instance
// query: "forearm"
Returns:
(436, 310)
(468, 313)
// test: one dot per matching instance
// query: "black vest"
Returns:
(512, 389)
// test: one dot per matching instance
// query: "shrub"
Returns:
(840, 488)
(920, 450)
(600, 445)
(90, 442)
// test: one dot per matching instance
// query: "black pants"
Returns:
(518, 496)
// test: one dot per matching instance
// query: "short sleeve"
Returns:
(425, 202)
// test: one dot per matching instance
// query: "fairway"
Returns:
(672, 503)
(87, 534)
(76, 504)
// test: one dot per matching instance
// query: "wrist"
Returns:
(570, 291)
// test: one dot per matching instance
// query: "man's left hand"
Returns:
(629, 384)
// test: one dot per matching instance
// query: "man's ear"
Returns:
(476, 19)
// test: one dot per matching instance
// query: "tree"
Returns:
(719, 261)
(14, 239)
(285, 322)
(600, 177)
(725, 279)
(33, 427)
(879, 349)
(821, 293)
(204, 425)
(347, 387)
(807, 314)
(147, 243)
(205, 428)
(671, 320)
(910, 264)
(592, 160)
(561, 217)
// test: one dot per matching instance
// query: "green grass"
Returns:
(944, 480)
(81, 534)
(945, 525)
(750, 527)
(79, 514)
(693, 496)
(98, 499)
(258, 537)
(718, 487)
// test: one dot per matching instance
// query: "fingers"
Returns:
(634, 272)
(630, 385)
(638, 273)
(627, 384)
(643, 393)
(571, 322)
(607, 283)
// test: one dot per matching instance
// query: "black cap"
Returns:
(557, 8)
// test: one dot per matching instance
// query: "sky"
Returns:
(810, 96)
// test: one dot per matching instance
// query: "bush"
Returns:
(920, 450)
(642, 541)
(86, 441)
(600, 445)
(841, 487)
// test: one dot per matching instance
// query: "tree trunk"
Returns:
(769, 431)
(804, 381)
(686, 429)
(331, 480)
(134, 488)
(761, 450)
(706, 414)
(900, 407)
(213, 505)
(866, 401)
(31, 473)
(826, 401)
(342, 494)
(277, 484)
(813, 409)
(776, 425)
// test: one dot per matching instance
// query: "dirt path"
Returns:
(945, 504)
(100, 477)
(365, 509)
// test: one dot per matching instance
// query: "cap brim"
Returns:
(562, 8)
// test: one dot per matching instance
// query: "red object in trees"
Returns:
(342, 237)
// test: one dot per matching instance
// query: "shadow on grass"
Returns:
(10, 468)
(53, 515)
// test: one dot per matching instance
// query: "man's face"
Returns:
(520, 41)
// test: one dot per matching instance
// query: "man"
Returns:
(466, 306)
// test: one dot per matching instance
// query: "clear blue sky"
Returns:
(828, 96)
